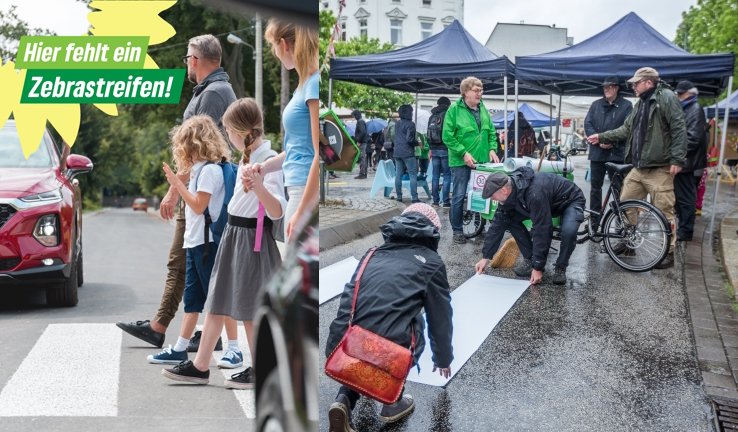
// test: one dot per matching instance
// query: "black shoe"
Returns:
(459, 238)
(435, 205)
(332, 176)
(360, 177)
(667, 262)
(195, 343)
(416, 201)
(446, 205)
(242, 380)
(524, 269)
(398, 410)
(559, 276)
(143, 331)
(187, 372)
(339, 415)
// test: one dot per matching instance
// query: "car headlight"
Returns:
(36, 200)
(46, 230)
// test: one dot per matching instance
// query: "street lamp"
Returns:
(257, 57)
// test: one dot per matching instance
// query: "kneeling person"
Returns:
(539, 197)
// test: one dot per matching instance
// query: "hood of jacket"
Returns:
(522, 177)
(405, 112)
(216, 75)
(411, 228)
(439, 109)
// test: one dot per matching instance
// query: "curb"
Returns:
(348, 231)
(728, 246)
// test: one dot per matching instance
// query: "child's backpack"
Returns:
(230, 174)
(435, 128)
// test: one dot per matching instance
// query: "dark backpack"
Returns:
(230, 174)
(435, 128)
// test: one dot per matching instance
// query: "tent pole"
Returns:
(504, 117)
(330, 92)
(722, 152)
(416, 110)
(558, 121)
(515, 118)
(550, 116)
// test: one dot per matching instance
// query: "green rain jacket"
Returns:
(461, 134)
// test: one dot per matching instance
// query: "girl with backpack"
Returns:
(197, 147)
(248, 255)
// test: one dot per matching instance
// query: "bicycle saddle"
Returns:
(622, 169)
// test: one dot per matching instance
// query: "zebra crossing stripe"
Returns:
(245, 398)
(55, 378)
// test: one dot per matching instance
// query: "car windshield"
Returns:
(11, 153)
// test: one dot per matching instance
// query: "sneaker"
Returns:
(168, 356)
(339, 415)
(360, 177)
(459, 238)
(195, 343)
(242, 380)
(415, 201)
(435, 205)
(667, 262)
(332, 176)
(524, 269)
(231, 360)
(446, 205)
(187, 372)
(143, 331)
(559, 276)
(398, 410)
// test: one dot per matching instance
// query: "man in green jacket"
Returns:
(656, 146)
(470, 137)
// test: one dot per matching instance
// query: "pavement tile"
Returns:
(719, 392)
(711, 354)
(717, 380)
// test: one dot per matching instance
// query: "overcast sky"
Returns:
(65, 17)
(582, 18)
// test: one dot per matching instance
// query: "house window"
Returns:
(426, 30)
(325, 5)
(426, 3)
(396, 31)
(343, 31)
(362, 27)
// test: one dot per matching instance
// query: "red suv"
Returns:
(41, 217)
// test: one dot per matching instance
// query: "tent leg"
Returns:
(330, 92)
(416, 110)
(504, 121)
(722, 153)
(558, 122)
(515, 117)
(550, 116)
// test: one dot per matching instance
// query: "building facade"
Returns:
(400, 22)
(513, 40)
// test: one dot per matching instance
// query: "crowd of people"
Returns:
(229, 217)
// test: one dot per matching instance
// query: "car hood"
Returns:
(18, 182)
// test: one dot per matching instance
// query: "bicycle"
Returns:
(635, 234)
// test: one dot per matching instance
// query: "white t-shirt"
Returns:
(210, 180)
(246, 205)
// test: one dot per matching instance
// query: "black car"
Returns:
(286, 328)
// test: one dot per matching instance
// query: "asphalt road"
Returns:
(610, 351)
(76, 354)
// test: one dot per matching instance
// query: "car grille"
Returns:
(6, 212)
(8, 263)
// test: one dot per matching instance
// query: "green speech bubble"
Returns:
(82, 52)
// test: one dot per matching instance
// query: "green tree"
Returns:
(710, 27)
(374, 101)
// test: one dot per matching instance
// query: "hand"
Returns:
(594, 139)
(535, 277)
(292, 225)
(469, 160)
(606, 146)
(481, 265)
(251, 179)
(445, 372)
(171, 176)
(493, 156)
(166, 208)
(674, 170)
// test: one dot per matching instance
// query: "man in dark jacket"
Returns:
(439, 156)
(538, 197)
(362, 141)
(605, 114)
(404, 152)
(685, 183)
(404, 277)
(656, 146)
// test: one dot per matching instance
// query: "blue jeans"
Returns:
(570, 220)
(461, 181)
(410, 166)
(440, 165)
(197, 277)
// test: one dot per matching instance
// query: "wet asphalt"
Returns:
(609, 351)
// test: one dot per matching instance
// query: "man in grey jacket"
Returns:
(605, 114)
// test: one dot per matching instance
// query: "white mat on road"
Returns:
(478, 304)
(334, 278)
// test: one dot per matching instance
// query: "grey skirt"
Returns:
(239, 272)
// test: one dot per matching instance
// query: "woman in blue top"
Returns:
(296, 47)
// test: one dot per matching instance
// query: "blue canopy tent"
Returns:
(535, 118)
(620, 50)
(730, 102)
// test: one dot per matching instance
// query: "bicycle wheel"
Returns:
(638, 237)
(473, 224)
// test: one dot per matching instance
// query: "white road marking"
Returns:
(56, 377)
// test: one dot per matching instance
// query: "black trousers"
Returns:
(363, 160)
(685, 192)
(597, 172)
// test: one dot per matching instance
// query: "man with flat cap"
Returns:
(685, 183)
(525, 194)
(656, 146)
(605, 114)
